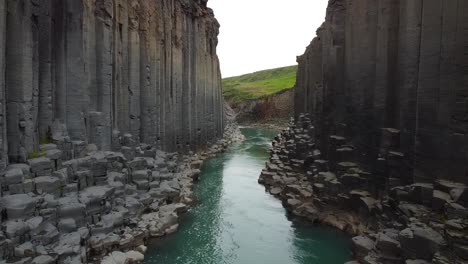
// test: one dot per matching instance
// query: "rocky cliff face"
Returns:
(271, 109)
(379, 147)
(108, 72)
(91, 93)
(392, 64)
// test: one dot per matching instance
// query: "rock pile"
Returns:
(55, 210)
(394, 219)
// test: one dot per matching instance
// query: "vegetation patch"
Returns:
(259, 84)
(37, 154)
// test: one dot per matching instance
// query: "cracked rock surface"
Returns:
(393, 223)
(102, 206)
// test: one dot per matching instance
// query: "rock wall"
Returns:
(108, 72)
(272, 108)
(392, 64)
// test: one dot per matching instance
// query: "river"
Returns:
(237, 222)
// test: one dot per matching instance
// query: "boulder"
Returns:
(362, 245)
(71, 207)
(439, 199)
(69, 244)
(115, 257)
(416, 261)
(25, 250)
(460, 196)
(15, 229)
(67, 225)
(134, 257)
(461, 251)
(54, 154)
(25, 168)
(18, 206)
(43, 259)
(13, 176)
(40, 164)
(276, 191)
(140, 175)
(46, 233)
(48, 184)
(422, 193)
(388, 246)
(93, 196)
(420, 241)
(456, 211)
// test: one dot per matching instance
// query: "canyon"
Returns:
(379, 145)
(109, 109)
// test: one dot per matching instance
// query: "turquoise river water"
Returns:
(237, 222)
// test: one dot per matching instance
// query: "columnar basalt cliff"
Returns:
(379, 146)
(392, 64)
(99, 71)
(103, 104)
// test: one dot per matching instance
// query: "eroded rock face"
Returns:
(398, 64)
(394, 220)
(77, 72)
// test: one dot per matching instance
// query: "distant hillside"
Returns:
(259, 84)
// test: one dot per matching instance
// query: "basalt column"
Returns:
(109, 72)
(391, 70)
(3, 133)
(19, 75)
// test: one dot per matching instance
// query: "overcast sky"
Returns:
(263, 34)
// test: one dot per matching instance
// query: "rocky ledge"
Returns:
(392, 220)
(98, 206)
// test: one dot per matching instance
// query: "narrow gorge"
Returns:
(119, 145)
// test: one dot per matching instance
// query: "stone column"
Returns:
(19, 80)
(3, 128)
(385, 95)
(134, 70)
(121, 67)
(77, 93)
(46, 83)
(186, 83)
(428, 135)
(104, 69)
(409, 42)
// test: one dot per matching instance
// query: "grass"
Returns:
(259, 84)
(37, 154)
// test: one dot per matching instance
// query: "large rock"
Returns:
(421, 242)
(18, 206)
(362, 245)
(47, 184)
(41, 164)
(13, 176)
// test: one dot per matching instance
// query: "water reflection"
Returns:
(237, 222)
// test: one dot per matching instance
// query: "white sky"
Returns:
(263, 34)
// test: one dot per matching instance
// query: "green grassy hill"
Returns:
(259, 84)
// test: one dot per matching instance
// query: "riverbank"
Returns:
(236, 222)
(278, 124)
(166, 216)
(418, 222)
(99, 203)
